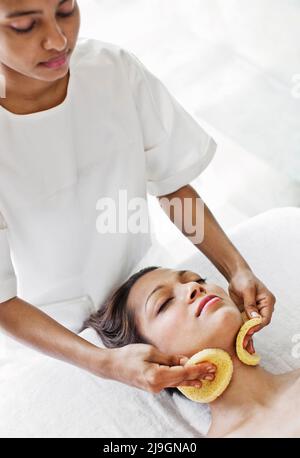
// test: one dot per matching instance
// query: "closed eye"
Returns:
(24, 30)
(62, 15)
(162, 306)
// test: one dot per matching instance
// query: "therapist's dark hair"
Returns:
(115, 323)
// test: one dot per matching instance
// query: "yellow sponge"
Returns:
(244, 355)
(210, 389)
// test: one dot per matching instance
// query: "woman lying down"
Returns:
(164, 308)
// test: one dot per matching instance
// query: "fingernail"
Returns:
(211, 369)
(209, 377)
(254, 314)
(210, 366)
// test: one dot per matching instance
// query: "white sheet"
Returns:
(42, 397)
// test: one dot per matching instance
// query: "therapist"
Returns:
(81, 120)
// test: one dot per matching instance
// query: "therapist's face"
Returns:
(44, 29)
(166, 305)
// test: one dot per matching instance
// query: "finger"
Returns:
(201, 371)
(203, 368)
(182, 360)
(249, 334)
(250, 347)
(252, 311)
(167, 360)
(195, 384)
(250, 303)
(266, 311)
(246, 341)
(255, 329)
(172, 376)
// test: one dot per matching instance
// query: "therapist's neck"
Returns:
(250, 389)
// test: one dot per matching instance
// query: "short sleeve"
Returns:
(177, 148)
(8, 281)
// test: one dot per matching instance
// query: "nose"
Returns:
(194, 290)
(55, 38)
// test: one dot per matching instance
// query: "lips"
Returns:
(203, 302)
(56, 58)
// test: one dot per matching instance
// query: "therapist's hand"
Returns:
(145, 367)
(250, 294)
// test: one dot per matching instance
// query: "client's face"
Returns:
(167, 307)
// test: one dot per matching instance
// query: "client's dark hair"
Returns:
(115, 322)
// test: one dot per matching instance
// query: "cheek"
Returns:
(8, 47)
(16, 49)
(231, 318)
(71, 29)
(175, 332)
(222, 327)
(167, 325)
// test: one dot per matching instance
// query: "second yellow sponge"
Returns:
(243, 355)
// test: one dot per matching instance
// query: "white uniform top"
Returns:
(118, 129)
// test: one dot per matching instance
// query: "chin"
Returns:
(55, 76)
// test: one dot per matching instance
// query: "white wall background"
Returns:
(234, 65)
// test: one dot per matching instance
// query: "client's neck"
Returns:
(251, 389)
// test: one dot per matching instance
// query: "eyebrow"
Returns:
(26, 13)
(179, 275)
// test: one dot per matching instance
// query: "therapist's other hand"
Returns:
(144, 366)
(250, 294)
